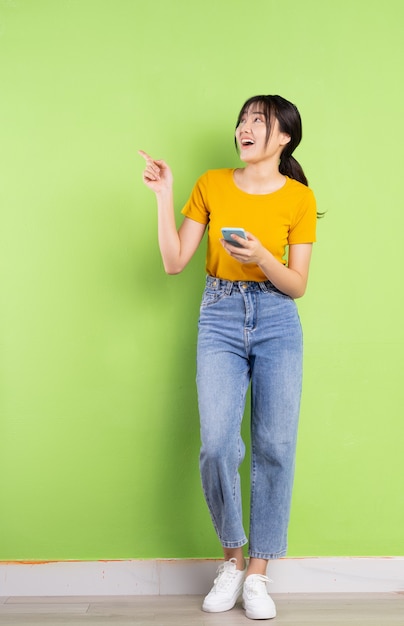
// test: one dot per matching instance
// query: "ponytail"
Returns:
(288, 166)
(292, 168)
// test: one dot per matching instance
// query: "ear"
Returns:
(285, 139)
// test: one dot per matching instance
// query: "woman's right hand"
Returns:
(156, 175)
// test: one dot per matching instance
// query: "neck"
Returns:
(260, 178)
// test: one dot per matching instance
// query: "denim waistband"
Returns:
(240, 285)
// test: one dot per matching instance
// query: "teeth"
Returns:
(247, 142)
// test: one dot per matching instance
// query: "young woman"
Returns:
(249, 332)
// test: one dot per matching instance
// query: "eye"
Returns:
(258, 119)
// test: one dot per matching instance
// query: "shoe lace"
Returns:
(256, 584)
(226, 573)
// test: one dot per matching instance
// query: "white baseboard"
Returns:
(193, 576)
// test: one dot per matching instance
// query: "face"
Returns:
(251, 136)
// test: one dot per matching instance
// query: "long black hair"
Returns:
(276, 107)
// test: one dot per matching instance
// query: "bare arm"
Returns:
(176, 247)
(290, 279)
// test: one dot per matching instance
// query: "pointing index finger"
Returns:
(144, 154)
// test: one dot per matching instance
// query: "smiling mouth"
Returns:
(247, 142)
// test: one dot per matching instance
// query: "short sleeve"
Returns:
(304, 222)
(197, 206)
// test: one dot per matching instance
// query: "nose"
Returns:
(247, 125)
(245, 129)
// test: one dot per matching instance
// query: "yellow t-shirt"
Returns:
(286, 216)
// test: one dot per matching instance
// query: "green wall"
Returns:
(98, 419)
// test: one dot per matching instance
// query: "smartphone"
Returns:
(229, 230)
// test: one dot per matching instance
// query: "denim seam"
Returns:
(267, 557)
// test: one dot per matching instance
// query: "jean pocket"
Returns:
(212, 296)
(280, 294)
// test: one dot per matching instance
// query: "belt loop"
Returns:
(265, 286)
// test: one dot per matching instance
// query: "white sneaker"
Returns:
(257, 603)
(226, 588)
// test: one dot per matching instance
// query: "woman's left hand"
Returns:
(252, 250)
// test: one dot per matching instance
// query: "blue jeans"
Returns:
(249, 332)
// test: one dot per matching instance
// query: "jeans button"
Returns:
(244, 285)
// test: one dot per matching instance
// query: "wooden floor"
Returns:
(385, 609)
